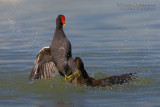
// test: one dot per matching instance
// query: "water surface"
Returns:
(112, 38)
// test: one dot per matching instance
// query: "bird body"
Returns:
(56, 57)
(82, 77)
(60, 47)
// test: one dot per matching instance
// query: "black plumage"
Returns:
(61, 49)
(57, 57)
(82, 77)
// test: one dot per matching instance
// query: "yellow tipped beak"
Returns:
(64, 24)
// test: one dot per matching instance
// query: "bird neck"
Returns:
(59, 33)
(59, 26)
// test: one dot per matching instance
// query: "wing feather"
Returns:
(43, 68)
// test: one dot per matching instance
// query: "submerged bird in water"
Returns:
(57, 57)
(82, 77)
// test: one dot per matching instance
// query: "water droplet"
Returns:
(52, 85)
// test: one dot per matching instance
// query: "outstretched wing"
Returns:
(44, 68)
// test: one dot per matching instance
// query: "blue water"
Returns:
(112, 38)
